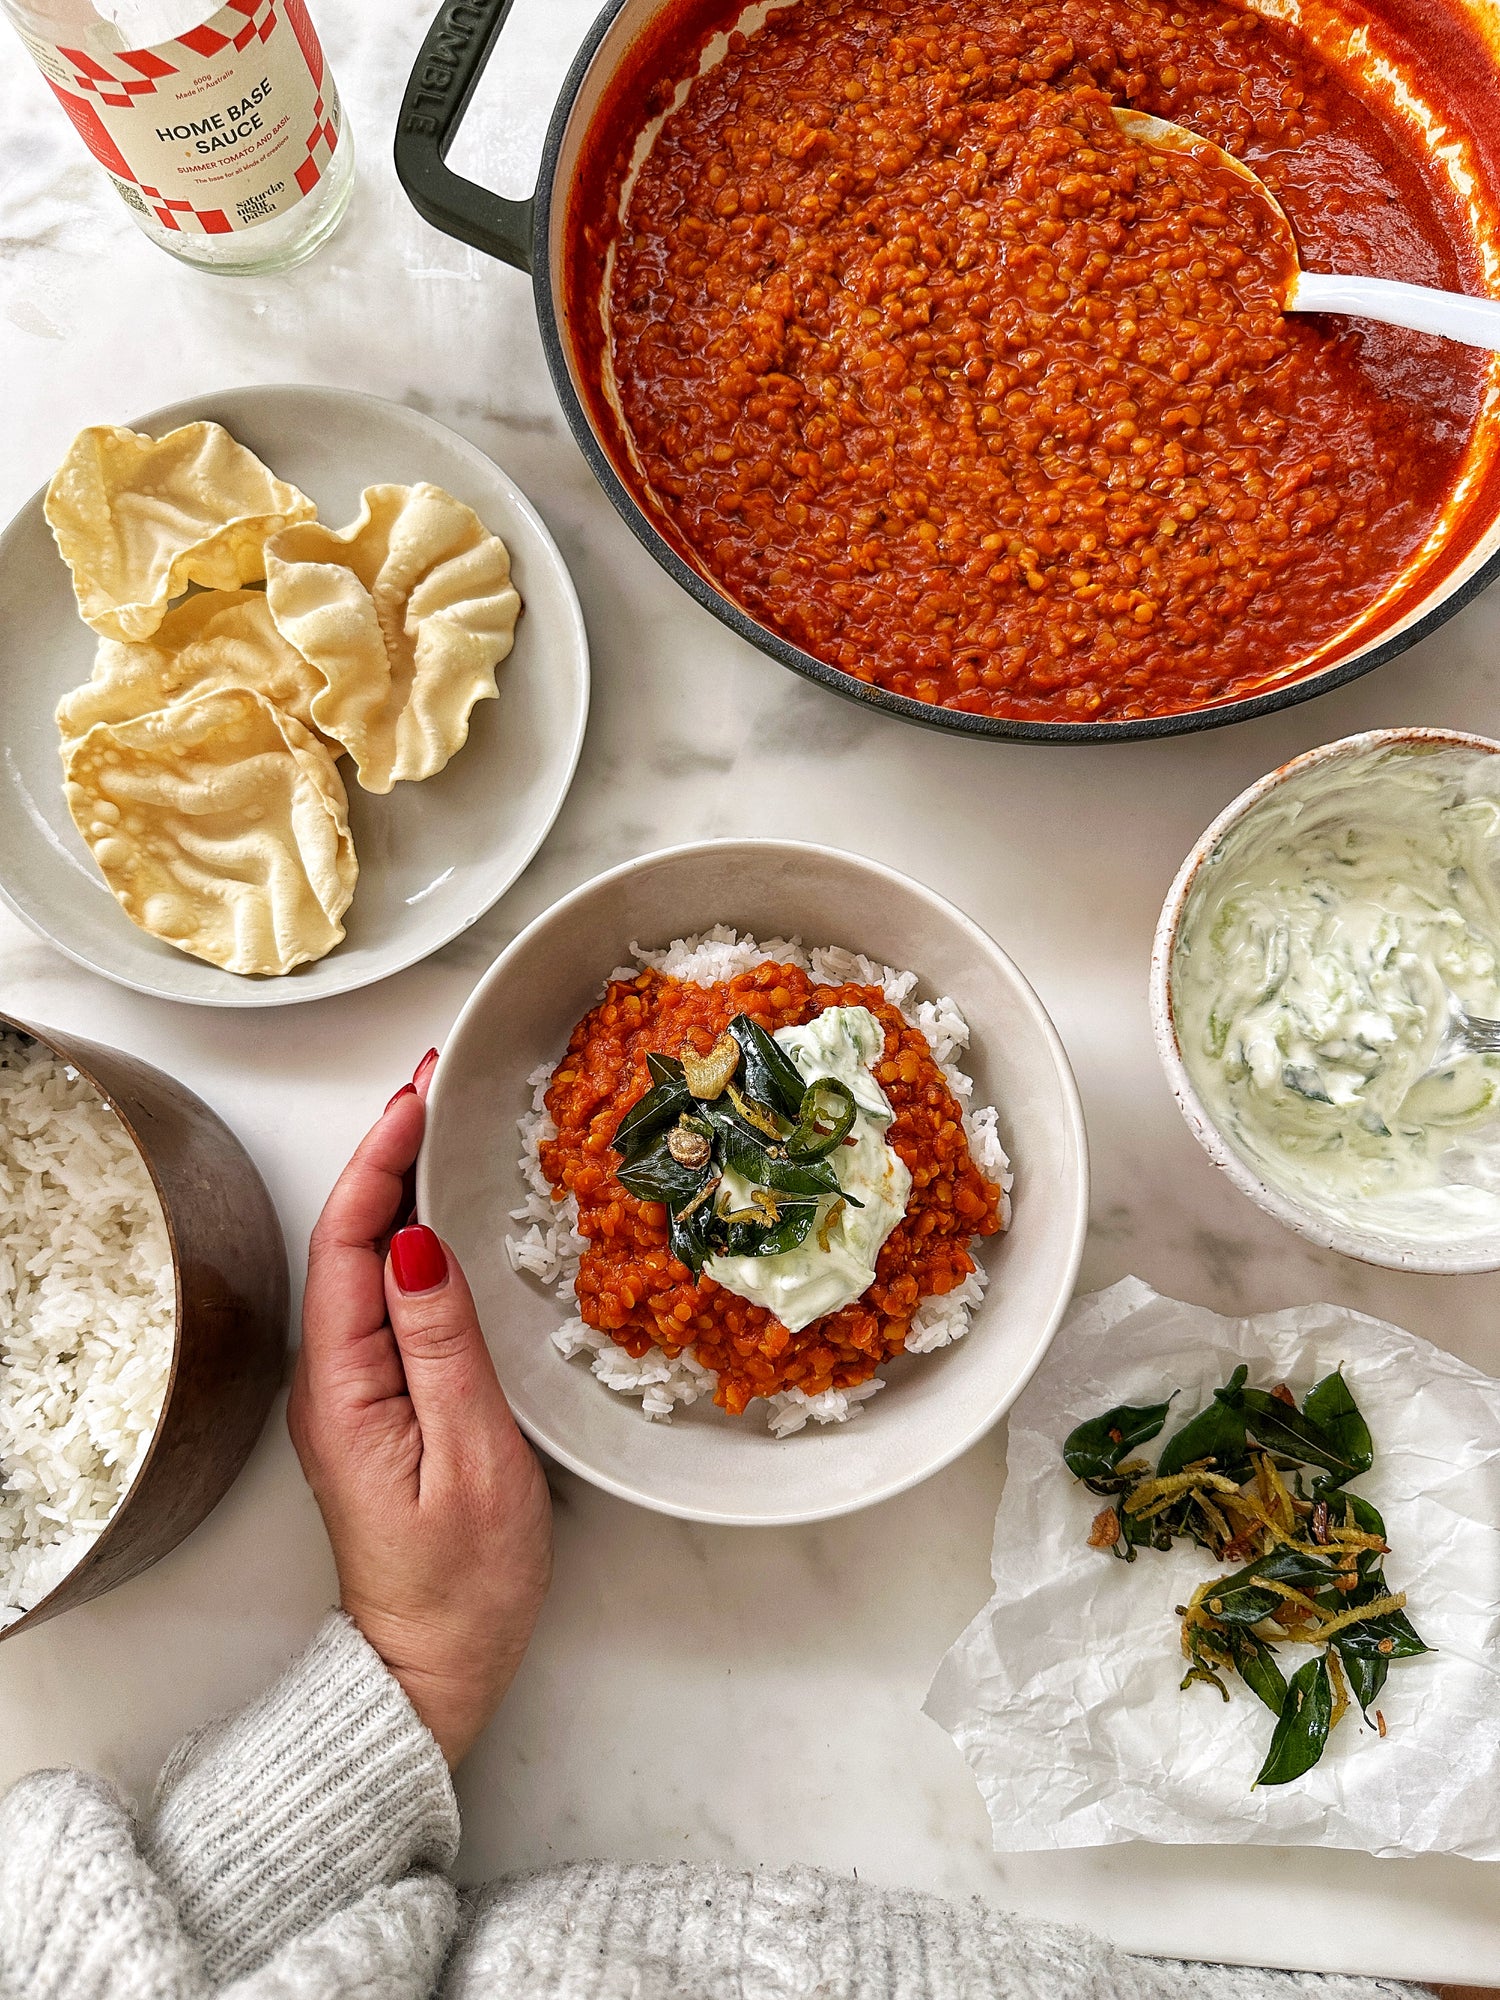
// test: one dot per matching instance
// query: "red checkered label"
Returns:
(215, 131)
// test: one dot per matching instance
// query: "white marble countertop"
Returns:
(714, 1695)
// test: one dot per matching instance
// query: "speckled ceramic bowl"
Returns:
(1185, 900)
(704, 1465)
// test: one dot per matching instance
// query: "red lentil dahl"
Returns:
(629, 1284)
(957, 388)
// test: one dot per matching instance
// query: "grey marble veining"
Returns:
(710, 1694)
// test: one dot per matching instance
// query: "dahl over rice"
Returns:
(87, 1309)
(550, 1247)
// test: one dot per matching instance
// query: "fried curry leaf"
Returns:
(1095, 1448)
(1390, 1635)
(1134, 1534)
(1255, 1663)
(691, 1244)
(1304, 1569)
(1243, 1604)
(1336, 1414)
(1342, 1505)
(1217, 1433)
(1366, 1673)
(1302, 1731)
(1281, 1427)
(1243, 1599)
(768, 1072)
(653, 1175)
(661, 1106)
(1133, 1531)
(762, 1164)
(770, 1239)
(1199, 1672)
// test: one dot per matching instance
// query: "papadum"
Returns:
(138, 519)
(406, 614)
(215, 639)
(221, 825)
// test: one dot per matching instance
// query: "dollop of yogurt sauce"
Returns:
(801, 1285)
(1321, 959)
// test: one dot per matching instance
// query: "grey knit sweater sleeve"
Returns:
(678, 1932)
(325, 1788)
(293, 1850)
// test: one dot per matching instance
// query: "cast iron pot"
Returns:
(229, 1337)
(536, 236)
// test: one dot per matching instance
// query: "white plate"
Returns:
(434, 856)
(706, 1466)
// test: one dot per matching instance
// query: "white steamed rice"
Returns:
(550, 1246)
(87, 1309)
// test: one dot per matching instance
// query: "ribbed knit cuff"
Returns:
(81, 1915)
(328, 1785)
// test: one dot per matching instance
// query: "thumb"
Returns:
(450, 1377)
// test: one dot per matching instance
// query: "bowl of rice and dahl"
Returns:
(765, 1163)
(143, 1316)
(769, 1175)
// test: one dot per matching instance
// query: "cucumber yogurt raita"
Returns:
(1323, 955)
(833, 1266)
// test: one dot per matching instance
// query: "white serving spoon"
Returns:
(1476, 322)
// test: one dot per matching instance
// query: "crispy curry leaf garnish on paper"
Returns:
(1255, 1662)
(1217, 1433)
(1257, 1481)
(1307, 1715)
(743, 1109)
(1333, 1410)
(1280, 1426)
(1096, 1448)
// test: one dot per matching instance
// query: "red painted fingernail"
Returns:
(424, 1068)
(406, 1090)
(419, 1262)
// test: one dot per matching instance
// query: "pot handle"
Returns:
(438, 91)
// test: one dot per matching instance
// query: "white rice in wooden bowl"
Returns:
(87, 1310)
(549, 1247)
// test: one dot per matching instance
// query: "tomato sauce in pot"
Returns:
(950, 383)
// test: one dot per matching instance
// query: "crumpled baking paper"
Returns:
(1063, 1693)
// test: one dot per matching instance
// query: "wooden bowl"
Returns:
(229, 1338)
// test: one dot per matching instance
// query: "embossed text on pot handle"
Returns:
(437, 95)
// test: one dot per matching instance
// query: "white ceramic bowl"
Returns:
(1185, 899)
(704, 1465)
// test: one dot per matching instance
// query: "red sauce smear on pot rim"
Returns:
(953, 385)
(629, 1284)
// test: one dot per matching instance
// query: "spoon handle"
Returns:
(1476, 322)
